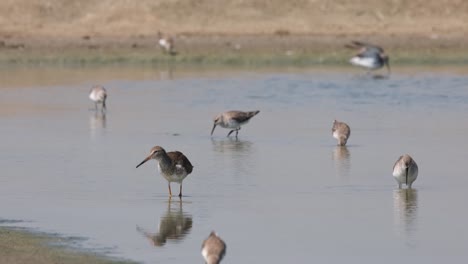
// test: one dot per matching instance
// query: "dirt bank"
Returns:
(220, 28)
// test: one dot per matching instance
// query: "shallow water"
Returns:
(282, 192)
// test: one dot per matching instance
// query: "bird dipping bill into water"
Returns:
(173, 166)
(341, 132)
(233, 120)
(98, 95)
(369, 56)
(213, 249)
(405, 171)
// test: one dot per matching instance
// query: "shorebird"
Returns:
(369, 56)
(213, 249)
(341, 132)
(173, 166)
(98, 95)
(405, 171)
(233, 120)
(166, 43)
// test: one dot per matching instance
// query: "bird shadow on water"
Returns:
(174, 225)
(231, 144)
(341, 161)
(97, 123)
(405, 212)
(370, 77)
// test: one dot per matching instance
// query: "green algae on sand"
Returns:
(20, 246)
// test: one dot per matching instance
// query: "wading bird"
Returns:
(233, 120)
(405, 171)
(341, 132)
(213, 249)
(173, 166)
(98, 95)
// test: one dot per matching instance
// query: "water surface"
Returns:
(282, 191)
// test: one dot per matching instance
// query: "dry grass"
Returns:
(235, 31)
(145, 17)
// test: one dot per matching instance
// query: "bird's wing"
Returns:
(241, 117)
(180, 160)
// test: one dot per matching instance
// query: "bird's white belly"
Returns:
(336, 135)
(400, 175)
(366, 62)
(178, 176)
(95, 97)
(232, 124)
(164, 43)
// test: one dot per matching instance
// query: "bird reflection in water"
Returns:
(341, 161)
(174, 226)
(405, 208)
(231, 144)
(97, 123)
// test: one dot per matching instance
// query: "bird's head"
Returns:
(156, 153)
(216, 121)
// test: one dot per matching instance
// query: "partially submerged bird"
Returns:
(173, 166)
(213, 249)
(369, 56)
(166, 43)
(341, 132)
(233, 120)
(405, 171)
(98, 95)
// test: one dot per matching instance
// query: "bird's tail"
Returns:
(253, 113)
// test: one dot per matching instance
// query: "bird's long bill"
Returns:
(212, 130)
(145, 160)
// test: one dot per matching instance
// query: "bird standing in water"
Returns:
(341, 132)
(405, 171)
(233, 120)
(213, 249)
(98, 95)
(173, 166)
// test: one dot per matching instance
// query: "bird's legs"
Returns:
(180, 191)
(169, 186)
(230, 132)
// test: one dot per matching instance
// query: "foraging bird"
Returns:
(166, 43)
(233, 120)
(98, 95)
(213, 249)
(173, 166)
(405, 171)
(369, 56)
(341, 132)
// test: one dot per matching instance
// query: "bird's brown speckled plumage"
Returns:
(213, 249)
(341, 132)
(174, 166)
